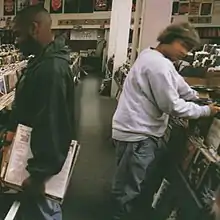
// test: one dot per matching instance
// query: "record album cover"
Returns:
(9, 7)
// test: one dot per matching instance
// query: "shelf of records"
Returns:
(76, 67)
(196, 157)
(9, 75)
(9, 54)
(118, 77)
(105, 88)
(201, 70)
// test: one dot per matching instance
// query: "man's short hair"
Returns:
(180, 31)
(29, 14)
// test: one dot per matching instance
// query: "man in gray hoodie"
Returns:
(152, 91)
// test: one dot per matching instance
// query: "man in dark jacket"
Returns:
(43, 101)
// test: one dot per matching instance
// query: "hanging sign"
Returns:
(56, 6)
(9, 7)
(84, 35)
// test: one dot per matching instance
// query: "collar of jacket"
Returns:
(56, 48)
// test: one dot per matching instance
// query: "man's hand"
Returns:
(33, 187)
(9, 136)
(214, 109)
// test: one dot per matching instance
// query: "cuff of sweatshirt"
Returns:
(195, 95)
(205, 111)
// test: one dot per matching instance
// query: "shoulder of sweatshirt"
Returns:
(151, 62)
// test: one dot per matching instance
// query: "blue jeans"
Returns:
(138, 176)
(40, 209)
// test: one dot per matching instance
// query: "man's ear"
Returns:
(33, 30)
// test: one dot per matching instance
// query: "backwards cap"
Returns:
(180, 31)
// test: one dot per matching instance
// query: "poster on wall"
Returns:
(56, 6)
(21, 4)
(9, 7)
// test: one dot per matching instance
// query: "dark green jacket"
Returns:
(44, 100)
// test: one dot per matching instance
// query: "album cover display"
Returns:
(9, 7)
(56, 6)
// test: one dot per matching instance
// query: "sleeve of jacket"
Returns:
(52, 134)
(185, 91)
(12, 123)
(168, 99)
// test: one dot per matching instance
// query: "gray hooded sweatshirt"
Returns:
(152, 91)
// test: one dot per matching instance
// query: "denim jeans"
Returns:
(138, 176)
(40, 209)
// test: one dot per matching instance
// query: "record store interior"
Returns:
(113, 46)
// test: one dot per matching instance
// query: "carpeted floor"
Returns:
(88, 197)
